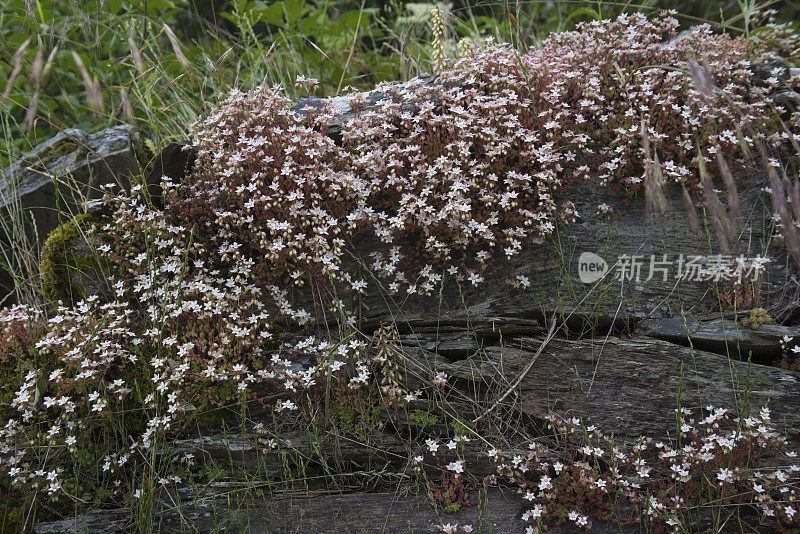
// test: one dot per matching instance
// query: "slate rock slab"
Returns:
(552, 266)
(51, 182)
(67, 169)
(498, 510)
(631, 387)
(723, 336)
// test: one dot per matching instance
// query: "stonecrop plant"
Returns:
(447, 174)
(451, 173)
(668, 485)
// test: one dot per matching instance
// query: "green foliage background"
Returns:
(57, 56)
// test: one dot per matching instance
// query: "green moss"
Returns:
(59, 149)
(355, 417)
(10, 380)
(460, 429)
(452, 507)
(59, 262)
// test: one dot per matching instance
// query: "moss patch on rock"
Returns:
(69, 263)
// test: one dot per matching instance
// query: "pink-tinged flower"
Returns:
(725, 475)
(456, 466)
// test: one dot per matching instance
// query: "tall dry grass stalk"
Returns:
(691, 211)
(125, 105)
(93, 93)
(176, 47)
(734, 210)
(16, 62)
(136, 55)
(724, 224)
(791, 234)
(653, 178)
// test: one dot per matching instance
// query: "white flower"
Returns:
(522, 281)
(456, 467)
(725, 475)
(534, 513)
(359, 285)
(604, 208)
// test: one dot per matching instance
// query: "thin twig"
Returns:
(524, 372)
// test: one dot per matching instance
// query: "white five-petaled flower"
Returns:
(456, 466)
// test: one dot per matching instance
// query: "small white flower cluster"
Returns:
(183, 319)
(449, 528)
(448, 176)
(656, 479)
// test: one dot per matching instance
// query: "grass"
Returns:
(159, 69)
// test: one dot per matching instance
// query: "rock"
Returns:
(96, 522)
(610, 303)
(358, 513)
(345, 110)
(552, 265)
(455, 346)
(723, 336)
(613, 302)
(49, 184)
(59, 175)
(248, 453)
(175, 161)
(495, 510)
(630, 387)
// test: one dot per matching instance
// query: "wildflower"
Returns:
(440, 379)
(725, 475)
(456, 466)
